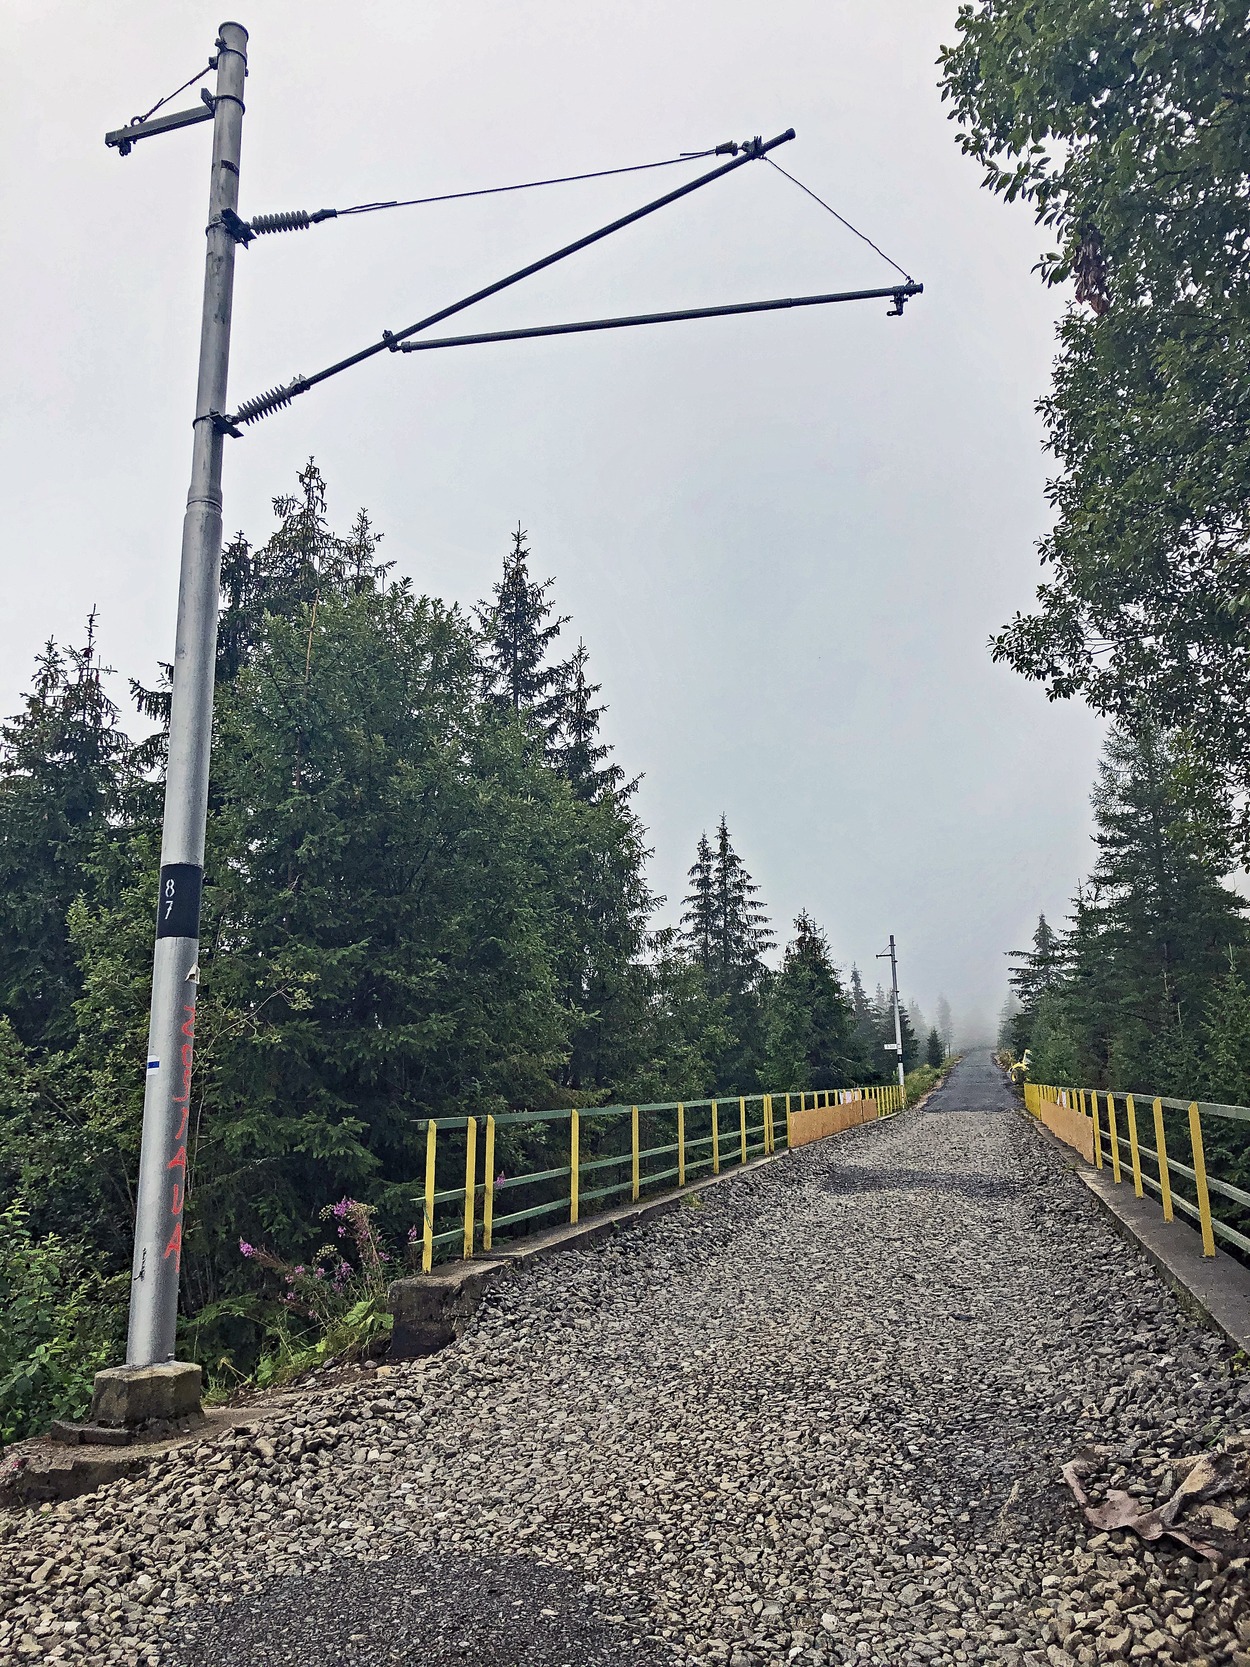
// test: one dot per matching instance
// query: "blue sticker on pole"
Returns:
(178, 908)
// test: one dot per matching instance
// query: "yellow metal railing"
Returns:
(607, 1142)
(1076, 1116)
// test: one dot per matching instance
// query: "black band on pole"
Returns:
(178, 908)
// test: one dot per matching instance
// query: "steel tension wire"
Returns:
(138, 121)
(252, 410)
(297, 220)
(841, 218)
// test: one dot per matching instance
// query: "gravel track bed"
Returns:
(816, 1415)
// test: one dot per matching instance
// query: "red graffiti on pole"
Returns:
(178, 1162)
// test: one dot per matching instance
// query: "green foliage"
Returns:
(424, 897)
(1227, 1038)
(726, 933)
(1040, 970)
(62, 1324)
(682, 1028)
(58, 784)
(518, 632)
(917, 1083)
(935, 1051)
(1156, 941)
(1127, 129)
(810, 1019)
(881, 1038)
(333, 1306)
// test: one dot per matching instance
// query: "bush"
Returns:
(62, 1324)
(330, 1308)
(917, 1083)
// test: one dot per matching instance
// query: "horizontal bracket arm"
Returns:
(896, 293)
(123, 138)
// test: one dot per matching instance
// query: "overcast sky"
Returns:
(785, 539)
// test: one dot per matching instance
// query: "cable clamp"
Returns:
(729, 148)
(239, 229)
(752, 147)
(901, 298)
(389, 338)
(222, 425)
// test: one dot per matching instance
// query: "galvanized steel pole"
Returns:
(175, 969)
(898, 1026)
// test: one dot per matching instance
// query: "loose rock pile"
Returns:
(818, 1416)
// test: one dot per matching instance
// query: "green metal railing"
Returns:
(1096, 1130)
(622, 1151)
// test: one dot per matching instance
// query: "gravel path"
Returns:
(817, 1416)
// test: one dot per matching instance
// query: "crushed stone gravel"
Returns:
(816, 1415)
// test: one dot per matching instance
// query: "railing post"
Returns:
(1200, 1179)
(715, 1141)
(768, 1124)
(742, 1125)
(427, 1233)
(633, 1145)
(1097, 1128)
(1134, 1151)
(1161, 1147)
(488, 1197)
(1114, 1135)
(681, 1144)
(470, 1183)
(575, 1162)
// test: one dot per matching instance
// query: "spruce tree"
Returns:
(1226, 1064)
(682, 1027)
(726, 932)
(934, 1053)
(743, 935)
(911, 1042)
(698, 918)
(578, 753)
(61, 760)
(810, 1018)
(1122, 999)
(864, 1045)
(518, 632)
(883, 1014)
(1041, 969)
(301, 561)
(945, 1025)
(919, 1024)
(1163, 836)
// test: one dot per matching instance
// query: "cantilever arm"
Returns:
(898, 293)
(253, 409)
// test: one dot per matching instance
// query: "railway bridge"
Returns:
(838, 1408)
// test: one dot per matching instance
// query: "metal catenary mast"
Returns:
(896, 1047)
(175, 965)
(175, 969)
